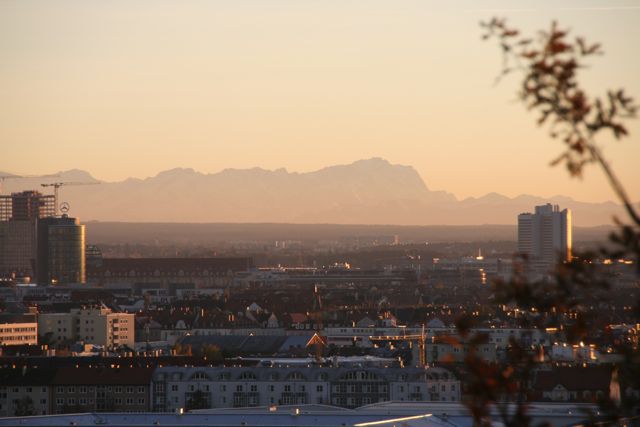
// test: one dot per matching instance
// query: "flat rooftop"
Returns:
(385, 414)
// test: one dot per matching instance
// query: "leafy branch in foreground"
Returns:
(550, 65)
(563, 304)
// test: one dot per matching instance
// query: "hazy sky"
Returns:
(131, 88)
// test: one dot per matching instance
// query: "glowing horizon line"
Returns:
(393, 420)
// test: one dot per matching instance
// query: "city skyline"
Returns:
(296, 85)
(287, 212)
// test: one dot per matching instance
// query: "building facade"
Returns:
(17, 248)
(546, 234)
(18, 329)
(18, 215)
(25, 392)
(213, 387)
(96, 325)
(162, 273)
(76, 390)
(60, 251)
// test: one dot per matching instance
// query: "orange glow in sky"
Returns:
(126, 89)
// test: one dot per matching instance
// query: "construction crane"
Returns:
(57, 185)
(411, 339)
(316, 315)
(3, 177)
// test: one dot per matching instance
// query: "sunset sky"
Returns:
(131, 88)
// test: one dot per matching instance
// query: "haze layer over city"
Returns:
(300, 213)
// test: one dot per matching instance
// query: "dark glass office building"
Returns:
(60, 251)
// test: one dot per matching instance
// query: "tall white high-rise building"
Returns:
(546, 234)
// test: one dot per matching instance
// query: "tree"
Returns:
(549, 67)
(24, 407)
(550, 86)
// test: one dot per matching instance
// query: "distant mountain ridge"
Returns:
(371, 191)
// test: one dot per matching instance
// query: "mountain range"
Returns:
(371, 191)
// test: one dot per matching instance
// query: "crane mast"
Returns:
(56, 186)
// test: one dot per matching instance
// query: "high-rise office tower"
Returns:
(18, 215)
(26, 205)
(60, 251)
(545, 235)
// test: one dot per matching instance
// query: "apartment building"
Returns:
(95, 325)
(25, 391)
(18, 329)
(217, 387)
(83, 389)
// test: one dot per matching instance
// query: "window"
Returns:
(174, 387)
(223, 388)
(318, 388)
(118, 389)
(238, 388)
(254, 387)
(272, 388)
(287, 388)
(129, 389)
(199, 376)
(71, 390)
(59, 401)
(141, 401)
(141, 389)
(247, 376)
(83, 389)
(71, 401)
(296, 376)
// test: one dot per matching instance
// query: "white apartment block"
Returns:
(18, 329)
(545, 234)
(214, 387)
(96, 325)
